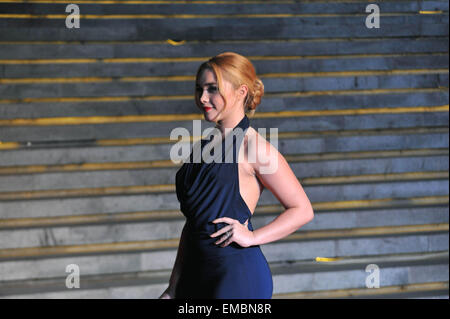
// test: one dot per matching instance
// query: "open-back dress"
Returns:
(208, 190)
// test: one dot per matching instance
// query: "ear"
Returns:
(242, 91)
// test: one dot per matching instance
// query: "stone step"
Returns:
(271, 102)
(173, 68)
(214, 29)
(290, 122)
(282, 82)
(268, 7)
(340, 165)
(360, 144)
(156, 196)
(196, 21)
(312, 278)
(245, 19)
(106, 148)
(434, 290)
(94, 259)
(394, 143)
(410, 156)
(350, 187)
(163, 172)
(336, 278)
(126, 119)
(14, 233)
(334, 210)
(295, 239)
(89, 205)
(182, 104)
(256, 50)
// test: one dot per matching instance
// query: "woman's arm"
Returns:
(283, 183)
(273, 171)
(169, 293)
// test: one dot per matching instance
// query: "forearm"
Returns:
(286, 223)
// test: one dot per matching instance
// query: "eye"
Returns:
(212, 89)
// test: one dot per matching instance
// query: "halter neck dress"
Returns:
(208, 190)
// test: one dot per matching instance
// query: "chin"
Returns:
(208, 117)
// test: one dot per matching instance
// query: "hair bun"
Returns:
(257, 94)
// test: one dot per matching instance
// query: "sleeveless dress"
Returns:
(208, 190)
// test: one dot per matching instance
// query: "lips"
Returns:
(207, 108)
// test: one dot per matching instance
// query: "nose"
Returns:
(203, 97)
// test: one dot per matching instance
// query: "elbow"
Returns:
(309, 213)
(306, 215)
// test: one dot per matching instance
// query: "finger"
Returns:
(227, 242)
(224, 238)
(227, 220)
(222, 231)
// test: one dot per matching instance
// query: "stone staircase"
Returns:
(86, 115)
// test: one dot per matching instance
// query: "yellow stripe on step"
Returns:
(117, 247)
(176, 214)
(301, 158)
(176, 78)
(62, 121)
(166, 188)
(281, 135)
(201, 59)
(191, 97)
(365, 292)
(199, 16)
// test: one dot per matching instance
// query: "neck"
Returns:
(230, 122)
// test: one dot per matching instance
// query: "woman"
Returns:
(219, 254)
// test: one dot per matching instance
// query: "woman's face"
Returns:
(209, 99)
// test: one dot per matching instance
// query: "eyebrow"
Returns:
(210, 83)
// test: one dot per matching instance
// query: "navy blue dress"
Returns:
(206, 191)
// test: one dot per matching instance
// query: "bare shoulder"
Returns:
(274, 172)
(255, 139)
(260, 152)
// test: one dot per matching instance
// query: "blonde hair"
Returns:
(237, 70)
